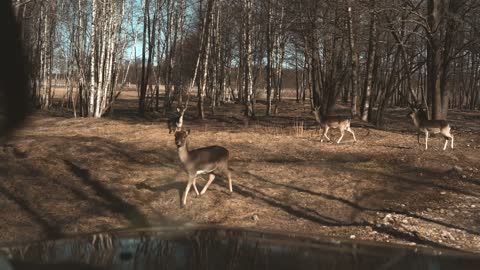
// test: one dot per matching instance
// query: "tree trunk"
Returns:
(450, 36)
(434, 58)
(144, 82)
(297, 83)
(205, 51)
(370, 61)
(249, 106)
(93, 40)
(268, 67)
(354, 62)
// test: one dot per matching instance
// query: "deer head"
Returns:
(419, 110)
(316, 112)
(181, 137)
(181, 110)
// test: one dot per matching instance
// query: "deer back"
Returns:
(336, 121)
(206, 158)
(434, 125)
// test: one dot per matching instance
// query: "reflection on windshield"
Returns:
(233, 249)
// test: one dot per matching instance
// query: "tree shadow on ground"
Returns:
(357, 206)
(388, 181)
(114, 203)
(324, 220)
(82, 148)
(174, 185)
(52, 184)
(49, 228)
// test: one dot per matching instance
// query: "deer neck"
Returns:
(318, 118)
(416, 120)
(183, 152)
(180, 121)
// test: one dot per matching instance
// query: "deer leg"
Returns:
(447, 137)
(187, 189)
(426, 140)
(195, 186)
(229, 176)
(418, 137)
(351, 131)
(325, 134)
(341, 136)
(210, 180)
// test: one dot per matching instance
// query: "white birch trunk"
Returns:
(93, 40)
(248, 59)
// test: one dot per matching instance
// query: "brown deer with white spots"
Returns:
(328, 122)
(207, 160)
(431, 126)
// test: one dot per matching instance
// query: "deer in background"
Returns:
(430, 126)
(207, 160)
(328, 122)
(175, 123)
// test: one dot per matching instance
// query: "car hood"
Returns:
(224, 248)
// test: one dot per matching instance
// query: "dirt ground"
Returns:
(63, 176)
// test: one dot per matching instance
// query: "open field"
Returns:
(63, 176)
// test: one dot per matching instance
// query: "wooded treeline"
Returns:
(369, 54)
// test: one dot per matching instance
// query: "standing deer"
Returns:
(207, 160)
(327, 122)
(175, 123)
(431, 126)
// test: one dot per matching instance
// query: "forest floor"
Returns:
(63, 176)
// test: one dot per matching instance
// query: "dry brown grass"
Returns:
(64, 176)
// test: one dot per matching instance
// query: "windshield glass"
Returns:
(352, 120)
